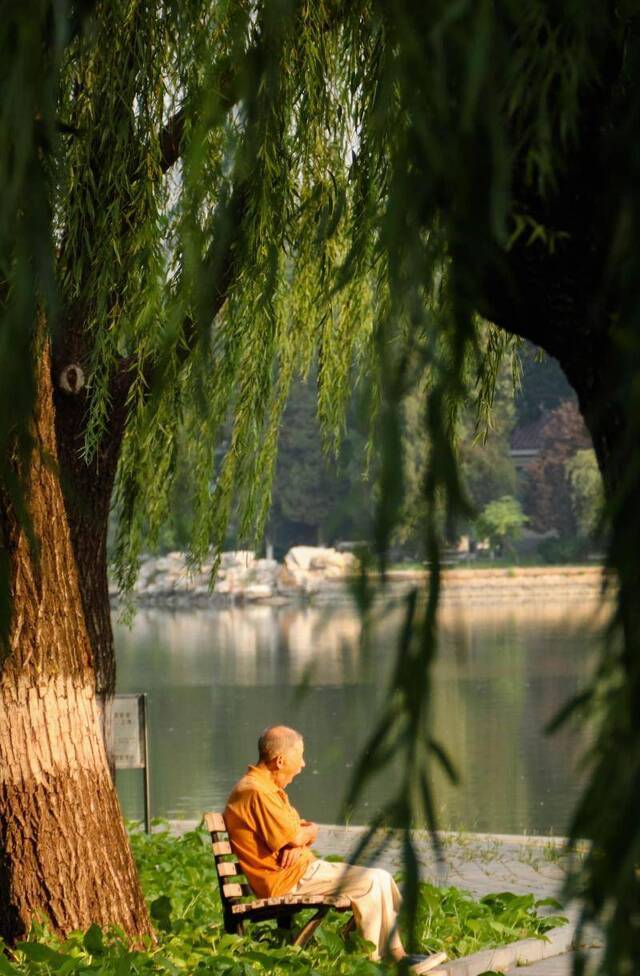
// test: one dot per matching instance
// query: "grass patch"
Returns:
(179, 879)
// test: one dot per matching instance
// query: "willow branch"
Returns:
(171, 147)
(218, 268)
(171, 138)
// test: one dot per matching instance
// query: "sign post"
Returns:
(132, 742)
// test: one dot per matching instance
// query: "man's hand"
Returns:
(306, 835)
(313, 830)
(289, 856)
(304, 838)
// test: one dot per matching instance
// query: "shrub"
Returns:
(179, 879)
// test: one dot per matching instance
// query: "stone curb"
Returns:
(520, 953)
(468, 837)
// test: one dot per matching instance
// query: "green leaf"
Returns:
(6, 969)
(37, 952)
(93, 941)
(552, 922)
(161, 912)
(262, 958)
(123, 966)
(550, 902)
(168, 965)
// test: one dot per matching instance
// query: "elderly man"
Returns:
(273, 845)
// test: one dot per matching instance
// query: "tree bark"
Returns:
(64, 850)
(87, 488)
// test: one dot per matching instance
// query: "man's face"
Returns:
(289, 764)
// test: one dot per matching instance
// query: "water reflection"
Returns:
(216, 678)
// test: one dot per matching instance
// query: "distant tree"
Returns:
(482, 432)
(547, 494)
(483, 441)
(587, 496)
(502, 521)
(308, 485)
(543, 385)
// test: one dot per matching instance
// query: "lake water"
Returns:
(215, 679)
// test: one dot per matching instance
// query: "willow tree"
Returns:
(201, 196)
(161, 281)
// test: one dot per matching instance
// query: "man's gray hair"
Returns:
(277, 740)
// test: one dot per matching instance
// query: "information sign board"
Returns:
(130, 741)
(128, 732)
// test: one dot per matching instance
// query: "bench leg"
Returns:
(307, 930)
(348, 928)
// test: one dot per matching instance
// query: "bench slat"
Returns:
(215, 822)
(339, 902)
(232, 891)
(221, 847)
(227, 868)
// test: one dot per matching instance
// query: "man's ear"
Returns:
(279, 762)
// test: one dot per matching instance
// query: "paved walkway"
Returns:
(556, 966)
(482, 864)
(479, 863)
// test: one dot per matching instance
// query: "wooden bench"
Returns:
(234, 891)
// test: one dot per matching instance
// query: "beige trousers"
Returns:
(374, 897)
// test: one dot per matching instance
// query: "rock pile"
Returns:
(241, 577)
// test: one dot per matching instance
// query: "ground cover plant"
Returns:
(179, 880)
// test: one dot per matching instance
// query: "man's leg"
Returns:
(390, 906)
(374, 896)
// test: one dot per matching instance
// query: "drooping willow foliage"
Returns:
(214, 194)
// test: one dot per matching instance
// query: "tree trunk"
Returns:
(606, 411)
(64, 850)
(556, 299)
(87, 488)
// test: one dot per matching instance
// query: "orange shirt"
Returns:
(260, 821)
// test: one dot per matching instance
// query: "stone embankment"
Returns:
(522, 584)
(323, 575)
